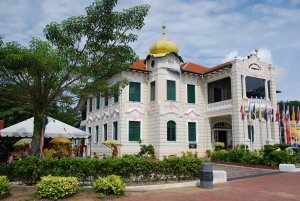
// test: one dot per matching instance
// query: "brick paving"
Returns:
(277, 187)
(236, 172)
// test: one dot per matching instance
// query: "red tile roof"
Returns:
(196, 68)
(189, 67)
(138, 65)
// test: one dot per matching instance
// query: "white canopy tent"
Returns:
(54, 128)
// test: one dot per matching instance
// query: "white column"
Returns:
(244, 86)
(267, 90)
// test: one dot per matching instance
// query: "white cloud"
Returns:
(204, 30)
(265, 55)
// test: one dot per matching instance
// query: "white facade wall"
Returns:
(154, 115)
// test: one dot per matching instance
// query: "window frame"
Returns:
(171, 135)
(191, 99)
(105, 133)
(195, 124)
(134, 96)
(171, 90)
(130, 127)
(115, 129)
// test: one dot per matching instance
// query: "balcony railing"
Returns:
(220, 105)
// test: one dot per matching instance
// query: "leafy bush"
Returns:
(110, 185)
(282, 146)
(243, 147)
(4, 186)
(147, 150)
(252, 158)
(220, 155)
(56, 187)
(236, 155)
(274, 158)
(219, 145)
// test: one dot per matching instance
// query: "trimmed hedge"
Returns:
(56, 187)
(31, 169)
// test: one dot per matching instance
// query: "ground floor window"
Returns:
(171, 131)
(134, 130)
(192, 131)
(105, 132)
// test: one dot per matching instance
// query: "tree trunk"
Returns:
(35, 143)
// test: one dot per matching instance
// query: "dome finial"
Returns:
(164, 37)
(256, 51)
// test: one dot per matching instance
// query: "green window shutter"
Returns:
(134, 130)
(191, 93)
(135, 91)
(171, 131)
(152, 91)
(98, 102)
(115, 137)
(171, 90)
(192, 131)
(105, 132)
(97, 134)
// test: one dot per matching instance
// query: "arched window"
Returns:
(171, 131)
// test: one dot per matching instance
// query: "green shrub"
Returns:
(282, 146)
(274, 158)
(243, 147)
(235, 155)
(220, 155)
(147, 150)
(219, 145)
(4, 186)
(252, 158)
(56, 187)
(110, 185)
(30, 170)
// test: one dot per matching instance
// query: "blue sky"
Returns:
(207, 32)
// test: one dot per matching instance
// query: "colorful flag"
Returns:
(277, 113)
(293, 115)
(283, 115)
(242, 112)
(287, 114)
(297, 115)
(249, 111)
(266, 114)
(254, 112)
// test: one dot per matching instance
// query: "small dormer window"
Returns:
(152, 63)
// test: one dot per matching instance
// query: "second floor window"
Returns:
(98, 102)
(135, 91)
(152, 91)
(219, 90)
(171, 90)
(91, 105)
(191, 98)
(106, 101)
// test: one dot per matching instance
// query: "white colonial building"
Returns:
(179, 107)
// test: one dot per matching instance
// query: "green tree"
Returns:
(83, 53)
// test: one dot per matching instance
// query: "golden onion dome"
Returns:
(163, 46)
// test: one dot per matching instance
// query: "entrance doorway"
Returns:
(222, 133)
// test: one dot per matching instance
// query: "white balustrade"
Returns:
(220, 105)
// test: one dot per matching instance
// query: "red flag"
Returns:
(283, 115)
(277, 113)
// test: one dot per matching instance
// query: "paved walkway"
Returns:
(277, 187)
(237, 172)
